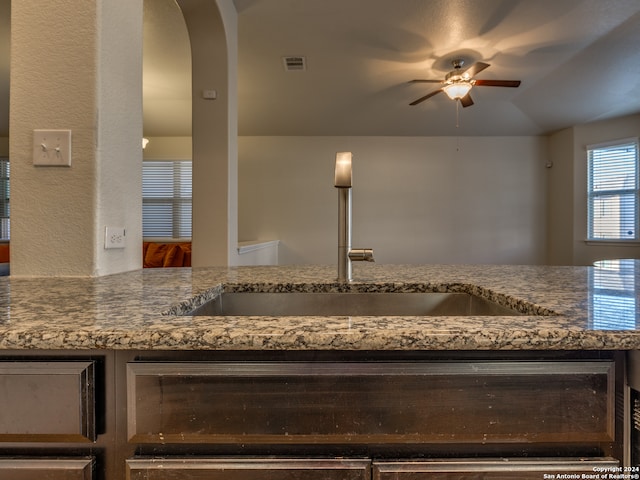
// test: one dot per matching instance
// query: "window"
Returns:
(613, 191)
(4, 199)
(166, 199)
(613, 303)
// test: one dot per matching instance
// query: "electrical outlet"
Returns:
(52, 148)
(209, 94)
(114, 237)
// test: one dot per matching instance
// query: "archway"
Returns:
(212, 28)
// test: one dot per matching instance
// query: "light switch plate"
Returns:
(52, 148)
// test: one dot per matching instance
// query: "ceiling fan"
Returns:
(458, 82)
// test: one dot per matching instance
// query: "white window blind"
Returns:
(4, 199)
(613, 191)
(166, 199)
(613, 303)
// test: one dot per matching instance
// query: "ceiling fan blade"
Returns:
(419, 80)
(498, 83)
(475, 69)
(466, 101)
(428, 95)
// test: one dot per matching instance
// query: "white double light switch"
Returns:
(52, 148)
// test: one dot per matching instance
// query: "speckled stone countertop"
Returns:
(567, 308)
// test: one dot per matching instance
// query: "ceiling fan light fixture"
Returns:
(457, 90)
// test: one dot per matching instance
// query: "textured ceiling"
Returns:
(578, 61)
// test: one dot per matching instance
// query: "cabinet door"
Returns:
(46, 468)
(371, 403)
(247, 469)
(47, 401)
(492, 469)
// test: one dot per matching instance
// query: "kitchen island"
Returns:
(109, 378)
(570, 308)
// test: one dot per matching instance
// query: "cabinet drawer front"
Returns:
(369, 403)
(46, 468)
(47, 401)
(494, 469)
(248, 469)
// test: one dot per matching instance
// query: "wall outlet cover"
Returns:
(114, 237)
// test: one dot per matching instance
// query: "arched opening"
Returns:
(167, 157)
(211, 29)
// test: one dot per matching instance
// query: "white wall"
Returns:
(568, 192)
(119, 132)
(415, 199)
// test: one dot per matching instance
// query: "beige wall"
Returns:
(568, 192)
(168, 148)
(5, 53)
(91, 71)
(286, 193)
(213, 34)
(415, 199)
(560, 205)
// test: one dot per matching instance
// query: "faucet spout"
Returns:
(343, 170)
(346, 254)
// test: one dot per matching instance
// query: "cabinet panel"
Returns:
(492, 469)
(367, 403)
(248, 469)
(46, 468)
(47, 401)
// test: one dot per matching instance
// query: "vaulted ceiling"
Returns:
(578, 61)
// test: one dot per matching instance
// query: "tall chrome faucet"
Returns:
(346, 254)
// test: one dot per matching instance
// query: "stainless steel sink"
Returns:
(350, 304)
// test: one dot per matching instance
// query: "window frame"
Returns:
(593, 195)
(176, 200)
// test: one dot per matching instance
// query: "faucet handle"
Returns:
(361, 255)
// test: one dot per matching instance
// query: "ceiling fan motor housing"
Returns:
(457, 83)
(456, 76)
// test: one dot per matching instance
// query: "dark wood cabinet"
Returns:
(248, 469)
(134, 415)
(51, 417)
(47, 401)
(46, 468)
(483, 402)
(494, 469)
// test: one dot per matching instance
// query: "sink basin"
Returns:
(350, 304)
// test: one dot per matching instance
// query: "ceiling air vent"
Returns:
(294, 64)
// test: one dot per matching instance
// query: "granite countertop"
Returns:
(568, 308)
